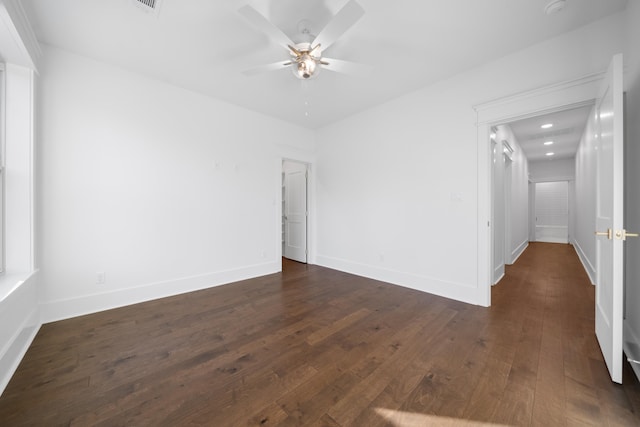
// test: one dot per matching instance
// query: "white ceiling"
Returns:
(567, 130)
(203, 45)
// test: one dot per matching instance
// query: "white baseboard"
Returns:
(588, 267)
(456, 291)
(562, 240)
(519, 251)
(66, 308)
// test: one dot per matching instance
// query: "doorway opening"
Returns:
(603, 135)
(559, 97)
(552, 212)
(533, 173)
(295, 211)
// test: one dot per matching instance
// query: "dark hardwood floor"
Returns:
(313, 346)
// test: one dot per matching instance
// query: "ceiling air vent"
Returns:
(149, 6)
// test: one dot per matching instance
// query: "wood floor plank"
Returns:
(337, 326)
(359, 398)
(314, 346)
(488, 390)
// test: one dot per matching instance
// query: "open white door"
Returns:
(295, 211)
(609, 218)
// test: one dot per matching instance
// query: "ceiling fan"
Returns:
(305, 58)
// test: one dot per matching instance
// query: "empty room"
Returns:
(329, 212)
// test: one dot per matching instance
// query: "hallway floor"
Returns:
(549, 297)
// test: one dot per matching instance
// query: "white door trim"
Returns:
(557, 97)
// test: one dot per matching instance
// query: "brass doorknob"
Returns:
(622, 235)
(608, 233)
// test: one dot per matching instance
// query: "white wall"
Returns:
(585, 198)
(162, 189)
(396, 185)
(552, 170)
(632, 199)
(498, 213)
(519, 221)
(510, 211)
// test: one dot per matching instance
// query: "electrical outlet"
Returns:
(100, 278)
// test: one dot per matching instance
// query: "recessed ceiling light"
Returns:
(550, 154)
(547, 125)
(548, 143)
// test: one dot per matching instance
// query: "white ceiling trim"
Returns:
(578, 92)
(18, 42)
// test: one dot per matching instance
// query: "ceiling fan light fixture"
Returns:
(306, 56)
(305, 68)
(305, 63)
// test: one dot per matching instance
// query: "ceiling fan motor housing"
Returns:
(306, 61)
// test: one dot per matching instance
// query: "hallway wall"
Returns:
(585, 198)
(510, 213)
(552, 170)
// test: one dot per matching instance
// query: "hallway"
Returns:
(546, 298)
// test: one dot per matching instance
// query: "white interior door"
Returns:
(609, 219)
(295, 211)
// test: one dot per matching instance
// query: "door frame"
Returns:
(285, 222)
(311, 203)
(548, 99)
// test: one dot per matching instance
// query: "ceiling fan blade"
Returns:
(267, 67)
(259, 21)
(344, 19)
(346, 67)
